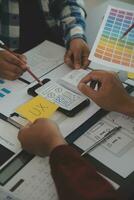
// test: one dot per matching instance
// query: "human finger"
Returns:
(94, 75)
(85, 61)
(6, 66)
(9, 75)
(22, 57)
(87, 90)
(68, 58)
(13, 59)
(77, 59)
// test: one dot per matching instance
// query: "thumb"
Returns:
(27, 126)
(88, 91)
(23, 58)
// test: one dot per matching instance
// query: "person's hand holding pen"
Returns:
(110, 94)
(12, 66)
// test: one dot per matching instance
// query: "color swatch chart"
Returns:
(3, 90)
(109, 49)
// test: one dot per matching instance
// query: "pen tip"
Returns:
(40, 82)
(119, 127)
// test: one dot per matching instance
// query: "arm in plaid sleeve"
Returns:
(71, 17)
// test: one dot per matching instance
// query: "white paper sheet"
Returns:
(6, 195)
(72, 79)
(9, 88)
(10, 95)
(117, 152)
(43, 58)
(37, 181)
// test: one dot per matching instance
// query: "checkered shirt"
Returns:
(69, 15)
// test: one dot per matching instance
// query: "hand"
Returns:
(77, 54)
(11, 66)
(111, 95)
(41, 137)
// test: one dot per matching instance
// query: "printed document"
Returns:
(43, 58)
(117, 151)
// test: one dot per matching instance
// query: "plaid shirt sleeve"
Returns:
(71, 18)
(68, 15)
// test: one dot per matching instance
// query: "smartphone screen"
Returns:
(70, 103)
(58, 94)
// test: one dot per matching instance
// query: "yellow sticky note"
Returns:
(38, 107)
(131, 75)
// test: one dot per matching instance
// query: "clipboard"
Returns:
(9, 160)
(126, 184)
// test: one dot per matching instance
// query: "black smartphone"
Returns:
(84, 102)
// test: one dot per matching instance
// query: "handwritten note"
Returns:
(38, 107)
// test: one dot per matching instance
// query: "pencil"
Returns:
(127, 31)
(2, 45)
(108, 135)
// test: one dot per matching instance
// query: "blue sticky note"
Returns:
(2, 95)
(7, 91)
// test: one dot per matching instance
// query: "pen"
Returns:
(95, 84)
(2, 45)
(127, 31)
(108, 135)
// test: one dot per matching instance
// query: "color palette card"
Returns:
(109, 49)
